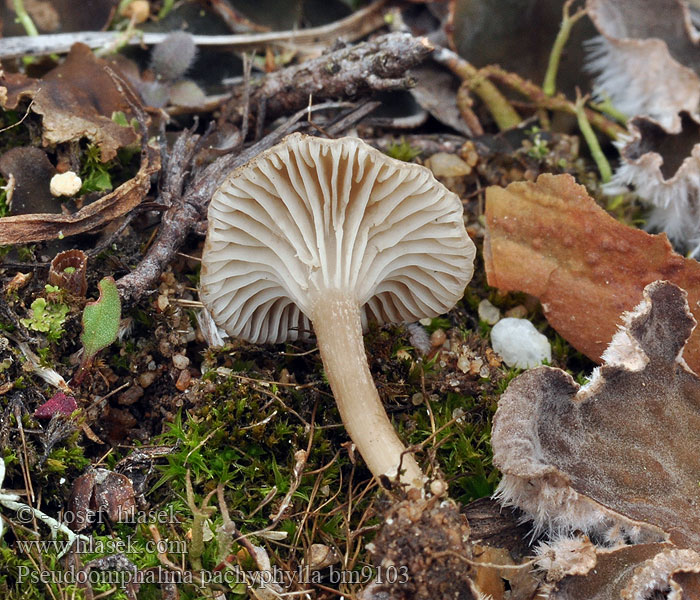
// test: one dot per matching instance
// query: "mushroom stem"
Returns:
(338, 326)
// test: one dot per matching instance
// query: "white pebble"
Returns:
(520, 344)
(180, 361)
(488, 312)
(65, 184)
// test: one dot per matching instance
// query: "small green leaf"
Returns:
(101, 318)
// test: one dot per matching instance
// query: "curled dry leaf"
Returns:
(101, 492)
(551, 240)
(635, 573)
(76, 99)
(68, 272)
(617, 457)
(646, 65)
(663, 169)
(22, 229)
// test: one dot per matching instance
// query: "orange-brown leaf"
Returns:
(551, 240)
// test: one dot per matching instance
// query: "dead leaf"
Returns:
(491, 580)
(517, 35)
(76, 99)
(618, 457)
(646, 65)
(23, 229)
(551, 240)
(634, 573)
(663, 169)
(98, 493)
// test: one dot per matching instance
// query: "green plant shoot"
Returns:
(100, 324)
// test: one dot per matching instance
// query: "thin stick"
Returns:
(352, 28)
(550, 79)
(591, 139)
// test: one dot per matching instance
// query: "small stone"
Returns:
(162, 303)
(65, 184)
(443, 164)
(130, 396)
(437, 338)
(464, 363)
(520, 344)
(322, 556)
(147, 378)
(488, 312)
(438, 487)
(181, 361)
(426, 322)
(183, 380)
(517, 312)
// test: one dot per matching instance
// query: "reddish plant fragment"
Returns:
(59, 403)
(551, 240)
(98, 493)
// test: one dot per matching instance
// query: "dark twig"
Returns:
(189, 206)
(377, 65)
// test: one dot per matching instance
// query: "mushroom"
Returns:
(335, 234)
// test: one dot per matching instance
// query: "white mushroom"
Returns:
(335, 233)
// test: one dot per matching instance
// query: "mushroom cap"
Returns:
(312, 215)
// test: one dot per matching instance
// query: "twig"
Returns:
(549, 86)
(377, 65)
(352, 28)
(558, 102)
(428, 144)
(501, 110)
(234, 20)
(24, 18)
(591, 139)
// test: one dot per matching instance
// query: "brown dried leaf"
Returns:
(619, 456)
(551, 240)
(101, 492)
(491, 580)
(76, 99)
(633, 573)
(23, 229)
(647, 65)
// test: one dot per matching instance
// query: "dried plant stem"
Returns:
(24, 18)
(591, 139)
(502, 111)
(558, 102)
(549, 86)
